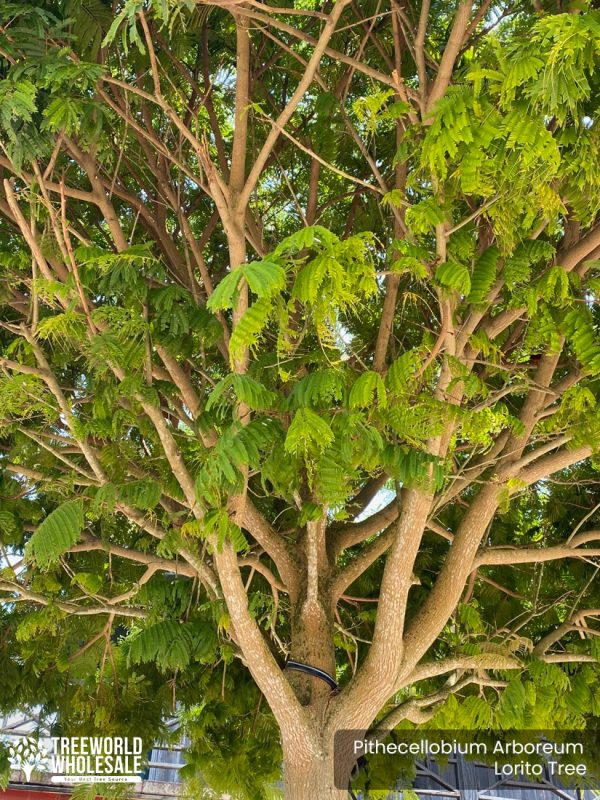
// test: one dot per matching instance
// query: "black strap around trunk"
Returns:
(314, 671)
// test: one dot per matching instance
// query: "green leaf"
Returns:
(246, 390)
(226, 292)
(517, 268)
(484, 276)
(367, 390)
(581, 332)
(308, 433)
(89, 581)
(554, 285)
(394, 198)
(424, 216)
(143, 494)
(510, 708)
(470, 618)
(310, 278)
(59, 531)
(401, 375)
(172, 645)
(452, 275)
(265, 278)
(219, 524)
(322, 388)
(63, 114)
(311, 236)
(249, 328)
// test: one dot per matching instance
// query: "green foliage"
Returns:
(144, 494)
(367, 390)
(511, 706)
(318, 389)
(424, 216)
(580, 330)
(171, 645)
(470, 618)
(483, 276)
(413, 468)
(66, 327)
(402, 372)
(237, 448)
(554, 285)
(308, 434)
(174, 310)
(398, 320)
(517, 268)
(451, 275)
(410, 259)
(219, 524)
(248, 331)
(264, 278)
(61, 529)
(245, 390)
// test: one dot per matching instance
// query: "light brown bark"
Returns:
(305, 779)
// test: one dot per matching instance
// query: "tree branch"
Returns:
(286, 114)
(498, 556)
(554, 463)
(554, 636)
(357, 532)
(68, 608)
(376, 678)
(272, 543)
(451, 51)
(150, 559)
(291, 716)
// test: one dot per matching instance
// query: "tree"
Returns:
(300, 359)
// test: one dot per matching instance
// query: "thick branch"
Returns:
(413, 710)
(165, 564)
(554, 463)
(357, 532)
(451, 51)
(272, 543)
(499, 556)
(375, 681)
(574, 620)
(265, 670)
(361, 563)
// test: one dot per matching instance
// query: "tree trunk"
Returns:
(312, 644)
(313, 769)
(311, 780)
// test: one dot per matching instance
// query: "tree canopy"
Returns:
(299, 359)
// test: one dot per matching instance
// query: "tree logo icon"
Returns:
(27, 755)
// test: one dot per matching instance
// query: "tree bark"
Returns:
(312, 644)
(312, 779)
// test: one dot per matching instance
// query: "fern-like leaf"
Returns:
(367, 390)
(454, 276)
(59, 531)
(484, 275)
(308, 433)
(401, 374)
(248, 330)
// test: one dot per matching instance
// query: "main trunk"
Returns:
(313, 768)
(311, 780)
